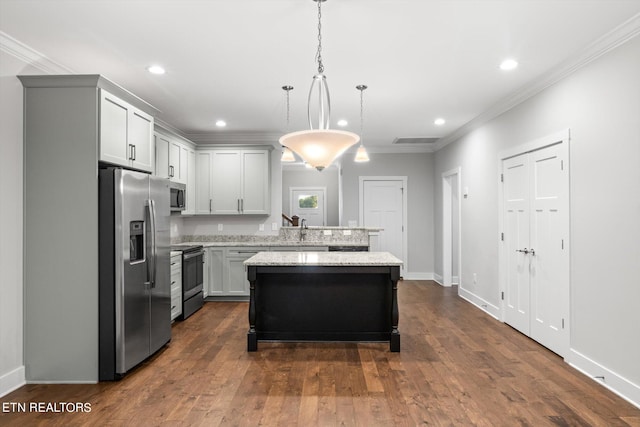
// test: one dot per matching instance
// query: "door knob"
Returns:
(524, 251)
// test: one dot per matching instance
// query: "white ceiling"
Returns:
(227, 59)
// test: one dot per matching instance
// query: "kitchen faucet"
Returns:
(303, 229)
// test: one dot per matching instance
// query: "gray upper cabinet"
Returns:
(126, 134)
(172, 157)
(233, 182)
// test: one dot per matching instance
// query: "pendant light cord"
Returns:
(319, 52)
(361, 88)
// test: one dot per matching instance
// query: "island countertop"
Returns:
(323, 259)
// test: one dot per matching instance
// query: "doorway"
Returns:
(451, 224)
(534, 258)
(383, 204)
(309, 203)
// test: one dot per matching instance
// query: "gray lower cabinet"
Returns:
(176, 286)
(215, 272)
(225, 274)
(235, 273)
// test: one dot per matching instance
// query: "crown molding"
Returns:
(616, 37)
(234, 138)
(31, 56)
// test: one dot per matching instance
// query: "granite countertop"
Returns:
(323, 258)
(272, 243)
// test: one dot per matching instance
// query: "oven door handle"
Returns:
(193, 255)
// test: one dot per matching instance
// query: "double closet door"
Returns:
(536, 245)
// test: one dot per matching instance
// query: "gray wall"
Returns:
(601, 105)
(11, 183)
(418, 168)
(312, 178)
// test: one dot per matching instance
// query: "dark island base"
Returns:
(354, 303)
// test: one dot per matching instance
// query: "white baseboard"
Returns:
(410, 275)
(605, 377)
(438, 279)
(482, 304)
(12, 381)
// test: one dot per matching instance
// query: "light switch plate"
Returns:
(346, 232)
(261, 227)
(327, 232)
(274, 226)
(220, 227)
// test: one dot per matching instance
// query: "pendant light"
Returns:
(361, 154)
(287, 155)
(319, 147)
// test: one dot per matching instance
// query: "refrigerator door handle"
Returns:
(154, 252)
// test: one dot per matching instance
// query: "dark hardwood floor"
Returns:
(458, 366)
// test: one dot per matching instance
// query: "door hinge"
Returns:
(502, 236)
(502, 295)
(501, 177)
(403, 228)
(561, 165)
(562, 323)
(562, 243)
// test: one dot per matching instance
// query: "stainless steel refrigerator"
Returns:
(135, 290)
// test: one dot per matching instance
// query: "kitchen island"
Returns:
(323, 296)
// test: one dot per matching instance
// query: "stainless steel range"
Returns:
(192, 282)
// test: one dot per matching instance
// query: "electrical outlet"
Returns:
(261, 227)
(346, 232)
(327, 232)
(475, 278)
(274, 226)
(220, 227)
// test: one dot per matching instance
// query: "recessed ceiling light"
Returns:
(439, 121)
(342, 122)
(221, 123)
(156, 69)
(509, 64)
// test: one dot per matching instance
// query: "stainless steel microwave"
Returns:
(178, 196)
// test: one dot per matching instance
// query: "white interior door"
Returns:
(516, 225)
(549, 254)
(383, 206)
(309, 203)
(536, 224)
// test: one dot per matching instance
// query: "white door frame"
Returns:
(447, 226)
(311, 188)
(405, 196)
(564, 137)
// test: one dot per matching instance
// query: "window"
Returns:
(308, 202)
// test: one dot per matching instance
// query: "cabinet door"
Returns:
(216, 272)
(237, 277)
(183, 170)
(191, 183)
(114, 115)
(162, 156)
(226, 182)
(140, 138)
(203, 182)
(256, 196)
(174, 161)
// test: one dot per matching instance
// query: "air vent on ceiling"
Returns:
(413, 141)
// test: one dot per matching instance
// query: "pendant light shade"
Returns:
(287, 155)
(319, 148)
(361, 155)
(322, 146)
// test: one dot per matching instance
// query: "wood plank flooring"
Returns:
(457, 367)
